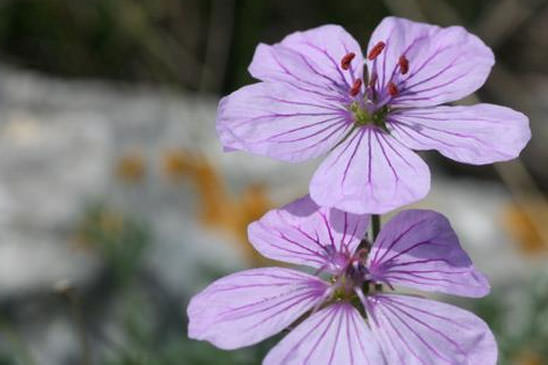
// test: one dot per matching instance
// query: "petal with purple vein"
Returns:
(370, 172)
(306, 234)
(477, 134)
(310, 59)
(417, 331)
(337, 334)
(445, 64)
(246, 307)
(419, 249)
(280, 121)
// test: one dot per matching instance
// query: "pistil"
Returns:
(363, 118)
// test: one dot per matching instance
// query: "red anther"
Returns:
(404, 64)
(373, 80)
(376, 50)
(392, 89)
(356, 87)
(345, 61)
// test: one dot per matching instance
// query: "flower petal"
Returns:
(370, 172)
(445, 64)
(416, 331)
(280, 121)
(337, 334)
(419, 249)
(478, 134)
(304, 233)
(311, 60)
(245, 308)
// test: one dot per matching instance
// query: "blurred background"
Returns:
(117, 204)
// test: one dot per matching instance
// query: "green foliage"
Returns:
(519, 318)
(150, 340)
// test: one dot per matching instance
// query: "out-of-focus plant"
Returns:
(118, 238)
(17, 351)
(192, 44)
(519, 318)
(151, 330)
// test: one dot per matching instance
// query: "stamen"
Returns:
(376, 50)
(356, 87)
(392, 89)
(404, 64)
(345, 61)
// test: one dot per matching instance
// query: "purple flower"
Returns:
(314, 98)
(416, 249)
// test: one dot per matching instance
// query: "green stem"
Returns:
(375, 226)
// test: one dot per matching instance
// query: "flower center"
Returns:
(370, 103)
(354, 276)
(362, 117)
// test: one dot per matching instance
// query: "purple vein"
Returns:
(346, 146)
(334, 107)
(308, 136)
(330, 58)
(393, 243)
(261, 321)
(418, 336)
(305, 336)
(395, 150)
(240, 312)
(400, 337)
(411, 248)
(349, 162)
(322, 336)
(336, 337)
(356, 331)
(409, 315)
(328, 228)
(403, 304)
(387, 158)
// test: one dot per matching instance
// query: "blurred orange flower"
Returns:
(131, 167)
(526, 227)
(220, 208)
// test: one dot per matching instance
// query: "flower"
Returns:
(314, 97)
(417, 249)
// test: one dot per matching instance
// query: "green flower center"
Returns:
(363, 118)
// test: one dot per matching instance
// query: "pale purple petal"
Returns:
(311, 60)
(416, 331)
(245, 308)
(477, 134)
(280, 121)
(445, 64)
(335, 335)
(304, 233)
(370, 172)
(419, 249)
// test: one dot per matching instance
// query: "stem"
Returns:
(375, 226)
(74, 302)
